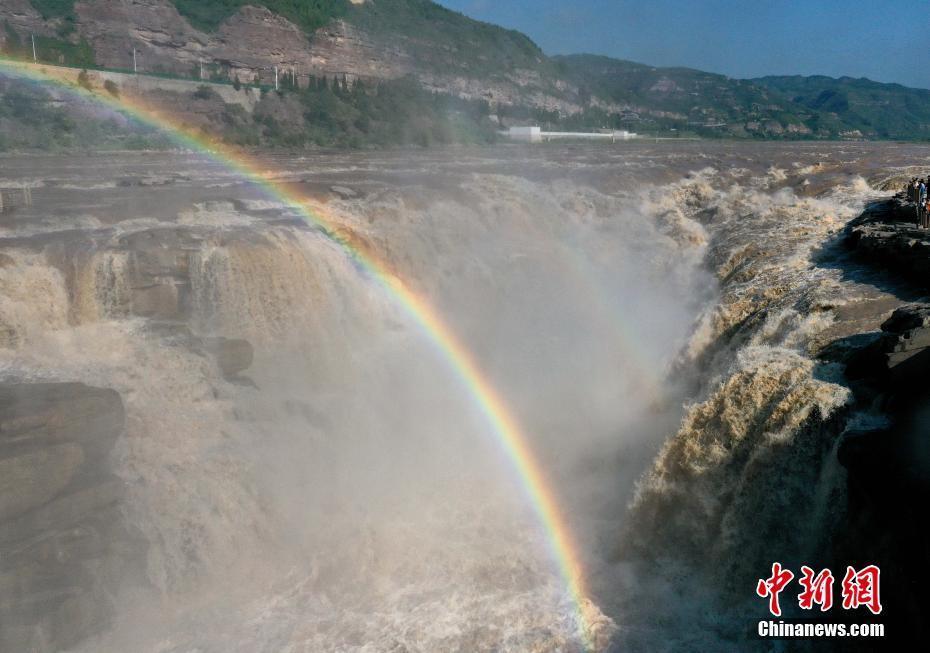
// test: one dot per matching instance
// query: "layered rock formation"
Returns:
(65, 545)
(253, 41)
(63, 542)
(887, 461)
(887, 235)
(884, 449)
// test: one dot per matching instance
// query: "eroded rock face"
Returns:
(55, 413)
(31, 476)
(65, 547)
(887, 236)
(899, 356)
(888, 464)
(62, 538)
(253, 41)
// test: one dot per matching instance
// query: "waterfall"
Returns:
(295, 465)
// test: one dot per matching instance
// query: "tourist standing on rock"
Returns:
(921, 199)
(926, 221)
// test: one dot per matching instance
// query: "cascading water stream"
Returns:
(337, 491)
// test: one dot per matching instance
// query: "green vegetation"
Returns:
(111, 87)
(29, 107)
(464, 53)
(54, 8)
(208, 14)
(63, 10)
(307, 14)
(64, 52)
(876, 110)
(32, 119)
(682, 99)
(709, 105)
(437, 38)
(333, 113)
(12, 45)
(448, 41)
(49, 49)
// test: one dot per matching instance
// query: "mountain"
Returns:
(873, 109)
(707, 103)
(686, 99)
(492, 76)
(234, 39)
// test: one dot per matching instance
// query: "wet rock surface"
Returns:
(63, 542)
(233, 355)
(887, 457)
(886, 235)
(900, 354)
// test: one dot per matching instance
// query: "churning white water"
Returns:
(343, 493)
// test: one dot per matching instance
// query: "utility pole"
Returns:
(35, 59)
(276, 78)
(135, 68)
(201, 69)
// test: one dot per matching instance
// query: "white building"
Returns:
(537, 135)
(528, 134)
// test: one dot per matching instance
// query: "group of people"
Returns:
(916, 191)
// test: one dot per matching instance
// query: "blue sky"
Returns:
(888, 40)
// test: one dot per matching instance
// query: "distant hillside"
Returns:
(500, 76)
(309, 15)
(687, 99)
(873, 109)
(437, 37)
(445, 51)
(447, 40)
(209, 14)
(771, 107)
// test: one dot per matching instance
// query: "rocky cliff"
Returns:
(887, 235)
(786, 452)
(63, 542)
(253, 41)
(67, 547)
(451, 54)
(887, 460)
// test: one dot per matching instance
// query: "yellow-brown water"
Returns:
(345, 495)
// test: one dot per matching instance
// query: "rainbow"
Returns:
(514, 443)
